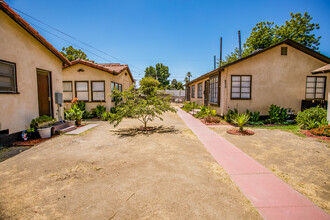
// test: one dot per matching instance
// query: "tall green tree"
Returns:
(299, 28)
(144, 104)
(187, 78)
(72, 54)
(160, 72)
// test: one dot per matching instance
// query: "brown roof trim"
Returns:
(289, 42)
(323, 69)
(100, 67)
(19, 20)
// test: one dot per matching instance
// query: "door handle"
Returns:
(48, 98)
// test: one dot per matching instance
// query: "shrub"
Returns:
(189, 106)
(42, 122)
(277, 114)
(105, 116)
(312, 118)
(205, 111)
(323, 130)
(241, 120)
(212, 119)
(230, 115)
(99, 110)
(75, 113)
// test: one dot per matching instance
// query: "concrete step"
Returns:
(67, 129)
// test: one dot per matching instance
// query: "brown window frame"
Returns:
(200, 90)
(75, 89)
(324, 89)
(231, 89)
(15, 90)
(68, 90)
(118, 86)
(193, 91)
(92, 92)
(214, 87)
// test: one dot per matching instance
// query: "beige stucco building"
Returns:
(93, 83)
(280, 74)
(30, 73)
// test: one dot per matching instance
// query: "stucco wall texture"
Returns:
(276, 79)
(92, 74)
(18, 46)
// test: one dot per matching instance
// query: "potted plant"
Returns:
(44, 125)
(75, 113)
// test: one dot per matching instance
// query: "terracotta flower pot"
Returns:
(78, 122)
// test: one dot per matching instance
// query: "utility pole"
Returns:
(239, 44)
(215, 62)
(220, 51)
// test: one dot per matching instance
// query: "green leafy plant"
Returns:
(105, 116)
(312, 118)
(42, 122)
(240, 120)
(230, 115)
(189, 106)
(75, 113)
(205, 111)
(99, 110)
(277, 115)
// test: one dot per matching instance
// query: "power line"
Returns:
(74, 39)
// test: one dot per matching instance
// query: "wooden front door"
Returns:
(44, 92)
(206, 92)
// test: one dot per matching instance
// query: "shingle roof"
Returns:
(113, 68)
(289, 42)
(19, 20)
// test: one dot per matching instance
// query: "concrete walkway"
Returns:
(273, 198)
(82, 129)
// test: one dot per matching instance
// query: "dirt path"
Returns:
(103, 174)
(301, 162)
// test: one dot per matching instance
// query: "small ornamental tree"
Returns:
(144, 103)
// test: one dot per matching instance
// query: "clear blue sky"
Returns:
(182, 34)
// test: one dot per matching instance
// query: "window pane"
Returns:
(236, 95)
(245, 84)
(112, 86)
(98, 96)
(120, 87)
(320, 85)
(82, 86)
(310, 90)
(235, 78)
(310, 79)
(7, 77)
(82, 96)
(67, 96)
(320, 90)
(310, 85)
(309, 96)
(320, 79)
(319, 96)
(246, 90)
(245, 95)
(236, 90)
(98, 86)
(236, 84)
(246, 78)
(67, 86)
(6, 84)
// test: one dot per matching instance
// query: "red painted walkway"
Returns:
(273, 198)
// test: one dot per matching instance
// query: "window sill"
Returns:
(239, 99)
(9, 93)
(214, 104)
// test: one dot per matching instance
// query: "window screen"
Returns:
(82, 91)
(67, 91)
(98, 92)
(8, 77)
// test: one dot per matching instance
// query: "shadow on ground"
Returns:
(131, 132)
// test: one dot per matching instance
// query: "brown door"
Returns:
(44, 93)
(206, 92)
(187, 93)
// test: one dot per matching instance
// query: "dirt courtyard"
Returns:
(103, 174)
(301, 162)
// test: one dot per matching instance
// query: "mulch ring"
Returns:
(32, 142)
(213, 123)
(309, 134)
(239, 132)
